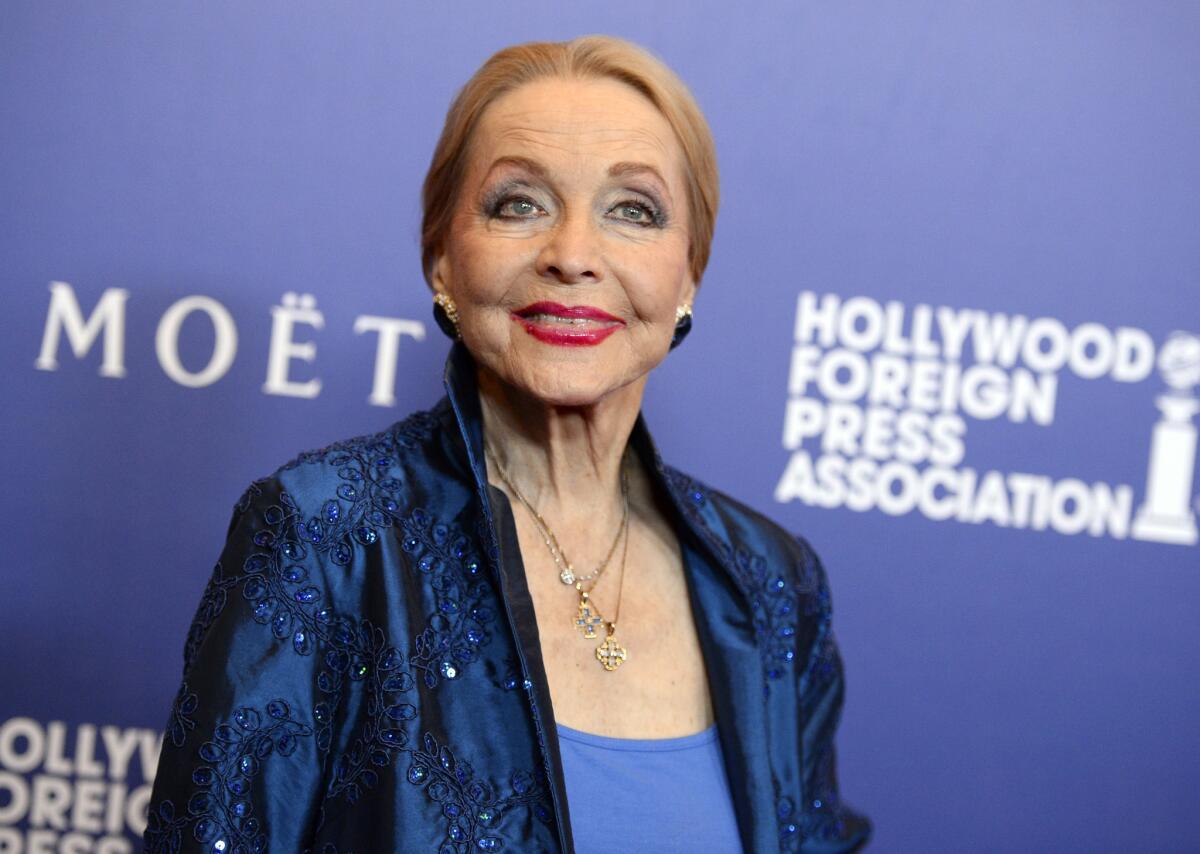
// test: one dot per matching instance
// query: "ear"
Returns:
(439, 274)
(689, 291)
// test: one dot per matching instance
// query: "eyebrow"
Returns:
(617, 170)
(521, 163)
(627, 167)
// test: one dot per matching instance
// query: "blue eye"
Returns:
(637, 213)
(516, 207)
(522, 207)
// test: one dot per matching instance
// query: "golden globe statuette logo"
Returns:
(1166, 515)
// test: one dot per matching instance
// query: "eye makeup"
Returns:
(657, 216)
(494, 199)
(516, 188)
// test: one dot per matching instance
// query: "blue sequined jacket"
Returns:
(363, 673)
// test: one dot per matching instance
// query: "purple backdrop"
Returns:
(1005, 519)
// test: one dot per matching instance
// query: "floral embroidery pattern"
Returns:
(222, 807)
(771, 595)
(220, 811)
(366, 658)
(449, 642)
(180, 724)
(253, 491)
(459, 626)
(164, 829)
(821, 817)
(774, 612)
(365, 503)
(276, 584)
(775, 598)
(211, 604)
(471, 808)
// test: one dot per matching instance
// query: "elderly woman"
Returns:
(505, 624)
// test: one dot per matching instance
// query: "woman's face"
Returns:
(567, 254)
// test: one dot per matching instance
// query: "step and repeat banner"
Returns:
(950, 334)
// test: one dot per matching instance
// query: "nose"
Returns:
(571, 254)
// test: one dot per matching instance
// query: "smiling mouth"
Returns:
(567, 325)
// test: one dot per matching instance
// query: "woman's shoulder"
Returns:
(332, 506)
(373, 467)
(358, 457)
(301, 541)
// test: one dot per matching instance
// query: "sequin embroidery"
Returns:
(281, 595)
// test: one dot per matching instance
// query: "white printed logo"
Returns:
(1165, 515)
(74, 790)
(107, 322)
(880, 397)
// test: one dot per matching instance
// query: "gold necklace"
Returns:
(566, 570)
(610, 653)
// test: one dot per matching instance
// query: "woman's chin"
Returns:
(568, 385)
(567, 391)
(564, 376)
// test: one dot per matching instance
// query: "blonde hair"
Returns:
(587, 57)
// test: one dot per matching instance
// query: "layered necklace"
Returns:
(587, 618)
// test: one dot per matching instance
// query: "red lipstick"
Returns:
(567, 325)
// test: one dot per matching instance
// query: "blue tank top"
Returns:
(652, 796)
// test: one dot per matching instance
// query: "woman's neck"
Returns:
(564, 460)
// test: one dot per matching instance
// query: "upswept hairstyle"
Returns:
(587, 57)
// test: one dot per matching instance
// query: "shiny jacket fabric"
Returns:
(363, 673)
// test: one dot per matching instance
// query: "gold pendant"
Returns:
(611, 654)
(587, 618)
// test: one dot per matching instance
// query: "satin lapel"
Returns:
(463, 394)
(720, 605)
(724, 622)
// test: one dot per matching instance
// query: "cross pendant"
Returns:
(611, 654)
(587, 619)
